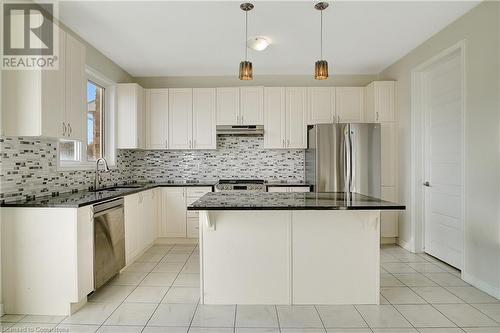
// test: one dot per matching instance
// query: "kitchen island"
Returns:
(290, 248)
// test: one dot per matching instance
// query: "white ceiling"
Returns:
(198, 38)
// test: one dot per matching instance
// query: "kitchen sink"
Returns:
(116, 188)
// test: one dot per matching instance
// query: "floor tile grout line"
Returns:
(192, 317)
(444, 315)
(173, 281)
(357, 310)
(405, 317)
(123, 301)
(234, 320)
(478, 309)
(277, 317)
(319, 316)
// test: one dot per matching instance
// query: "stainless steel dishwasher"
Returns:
(109, 241)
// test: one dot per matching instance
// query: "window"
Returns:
(95, 121)
(99, 127)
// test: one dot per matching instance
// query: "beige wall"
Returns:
(261, 80)
(480, 28)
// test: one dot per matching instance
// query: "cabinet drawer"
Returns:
(191, 214)
(192, 227)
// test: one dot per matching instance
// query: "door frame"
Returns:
(418, 111)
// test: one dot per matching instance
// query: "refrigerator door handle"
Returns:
(347, 160)
(352, 161)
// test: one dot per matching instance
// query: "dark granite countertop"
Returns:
(291, 201)
(85, 198)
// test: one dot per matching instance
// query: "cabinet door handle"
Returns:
(64, 128)
(194, 143)
(288, 143)
(376, 114)
(166, 144)
(190, 144)
(242, 120)
(338, 119)
(283, 144)
(70, 129)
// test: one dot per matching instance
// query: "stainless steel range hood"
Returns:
(240, 130)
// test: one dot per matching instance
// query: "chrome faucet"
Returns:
(97, 179)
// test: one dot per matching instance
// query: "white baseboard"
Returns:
(405, 245)
(481, 285)
(388, 240)
(174, 240)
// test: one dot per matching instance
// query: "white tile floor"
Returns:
(160, 293)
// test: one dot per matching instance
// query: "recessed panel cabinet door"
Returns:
(321, 105)
(274, 118)
(156, 118)
(251, 106)
(76, 114)
(296, 113)
(228, 106)
(180, 113)
(132, 216)
(173, 205)
(349, 104)
(388, 137)
(204, 118)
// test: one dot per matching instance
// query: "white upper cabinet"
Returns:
(251, 106)
(380, 99)
(157, 118)
(296, 115)
(388, 145)
(180, 118)
(76, 115)
(349, 104)
(321, 105)
(228, 106)
(130, 116)
(204, 118)
(274, 118)
(47, 103)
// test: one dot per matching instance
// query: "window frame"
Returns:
(109, 119)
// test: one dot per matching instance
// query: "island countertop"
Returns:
(291, 201)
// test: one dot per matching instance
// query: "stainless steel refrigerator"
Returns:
(344, 158)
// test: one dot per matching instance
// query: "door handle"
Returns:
(64, 128)
(427, 184)
(70, 129)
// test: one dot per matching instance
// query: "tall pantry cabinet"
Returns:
(380, 108)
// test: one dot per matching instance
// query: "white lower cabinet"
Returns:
(389, 219)
(141, 223)
(173, 212)
(175, 220)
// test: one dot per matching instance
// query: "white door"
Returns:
(173, 205)
(349, 104)
(296, 113)
(204, 118)
(228, 106)
(156, 118)
(251, 105)
(76, 107)
(180, 114)
(321, 105)
(443, 161)
(274, 118)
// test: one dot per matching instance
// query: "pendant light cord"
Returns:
(246, 34)
(321, 35)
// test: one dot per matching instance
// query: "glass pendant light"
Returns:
(246, 71)
(321, 66)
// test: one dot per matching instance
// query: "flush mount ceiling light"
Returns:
(258, 43)
(246, 71)
(321, 66)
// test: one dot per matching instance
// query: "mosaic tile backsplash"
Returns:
(28, 166)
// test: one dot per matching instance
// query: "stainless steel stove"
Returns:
(255, 185)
